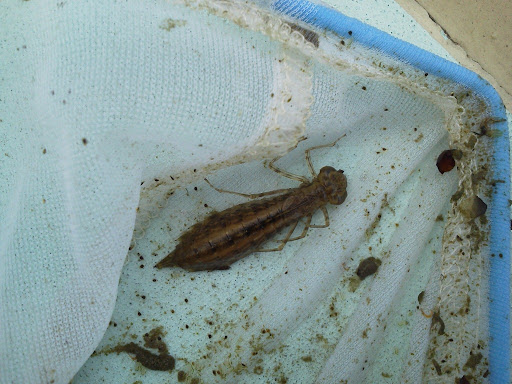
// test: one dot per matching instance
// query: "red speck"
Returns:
(445, 161)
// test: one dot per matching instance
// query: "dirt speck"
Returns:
(182, 376)
(368, 267)
(446, 160)
(437, 367)
(153, 340)
(258, 370)
(473, 360)
(169, 24)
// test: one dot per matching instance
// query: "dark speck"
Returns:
(368, 267)
(437, 367)
(350, 33)
(84, 141)
(182, 376)
(446, 160)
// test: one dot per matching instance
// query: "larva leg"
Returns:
(326, 217)
(289, 175)
(309, 225)
(304, 231)
(308, 155)
(283, 242)
(248, 195)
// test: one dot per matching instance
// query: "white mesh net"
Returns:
(117, 111)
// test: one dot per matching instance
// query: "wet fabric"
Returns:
(114, 113)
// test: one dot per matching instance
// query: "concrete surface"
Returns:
(478, 34)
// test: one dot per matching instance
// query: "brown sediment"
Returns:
(368, 267)
(162, 361)
(149, 360)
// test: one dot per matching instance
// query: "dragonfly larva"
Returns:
(225, 237)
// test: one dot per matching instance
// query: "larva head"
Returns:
(335, 184)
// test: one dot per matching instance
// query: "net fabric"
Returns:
(130, 106)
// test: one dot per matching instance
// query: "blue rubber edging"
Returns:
(499, 280)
